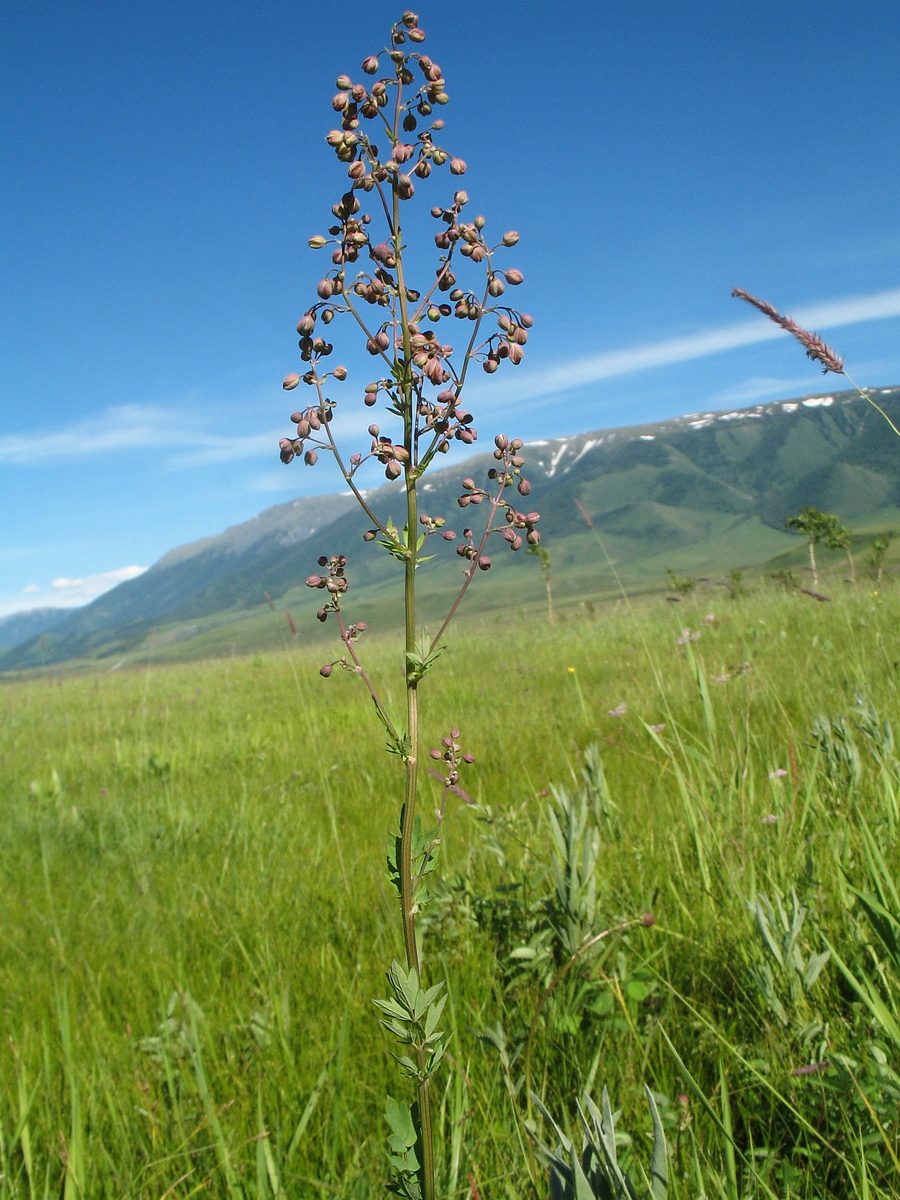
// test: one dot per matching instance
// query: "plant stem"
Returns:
(408, 817)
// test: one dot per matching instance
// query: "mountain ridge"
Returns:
(710, 482)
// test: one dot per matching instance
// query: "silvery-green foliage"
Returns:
(785, 972)
(412, 1015)
(594, 1173)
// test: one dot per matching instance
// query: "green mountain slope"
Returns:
(700, 493)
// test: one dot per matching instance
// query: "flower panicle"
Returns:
(816, 349)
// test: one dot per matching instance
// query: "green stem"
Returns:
(407, 823)
(877, 407)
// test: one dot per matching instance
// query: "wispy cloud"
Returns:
(185, 432)
(188, 436)
(611, 364)
(66, 593)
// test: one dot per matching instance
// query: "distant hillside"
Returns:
(704, 492)
(21, 627)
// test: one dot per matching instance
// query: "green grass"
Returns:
(195, 916)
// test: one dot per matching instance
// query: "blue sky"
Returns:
(163, 166)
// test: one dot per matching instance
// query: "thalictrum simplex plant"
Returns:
(389, 140)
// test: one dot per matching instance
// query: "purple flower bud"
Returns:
(393, 470)
(344, 82)
(402, 152)
(306, 324)
(484, 563)
(326, 289)
(290, 382)
(326, 670)
(514, 277)
(340, 373)
(310, 458)
(314, 581)
(510, 238)
(501, 441)
(457, 166)
(370, 64)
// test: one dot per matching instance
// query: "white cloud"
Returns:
(81, 591)
(66, 593)
(187, 432)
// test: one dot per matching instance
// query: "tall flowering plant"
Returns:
(389, 141)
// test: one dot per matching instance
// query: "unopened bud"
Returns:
(510, 238)
(344, 82)
(326, 670)
(290, 382)
(318, 242)
(457, 166)
(514, 277)
(501, 441)
(370, 64)
(484, 563)
(340, 373)
(310, 458)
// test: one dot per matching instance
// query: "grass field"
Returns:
(196, 917)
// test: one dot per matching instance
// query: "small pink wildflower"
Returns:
(618, 711)
(771, 819)
(778, 773)
(658, 728)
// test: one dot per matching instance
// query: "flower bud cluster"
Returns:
(436, 525)
(414, 352)
(362, 101)
(449, 754)
(308, 421)
(507, 474)
(334, 582)
(390, 456)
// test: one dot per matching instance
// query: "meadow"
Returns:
(196, 916)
